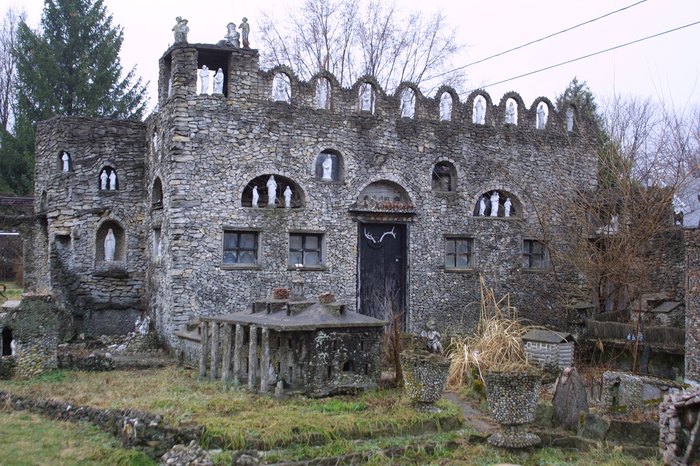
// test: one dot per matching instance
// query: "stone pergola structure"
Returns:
(309, 347)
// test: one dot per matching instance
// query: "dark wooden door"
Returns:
(382, 271)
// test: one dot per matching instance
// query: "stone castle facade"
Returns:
(396, 204)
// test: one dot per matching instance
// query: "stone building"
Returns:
(394, 203)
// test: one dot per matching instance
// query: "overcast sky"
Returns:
(665, 68)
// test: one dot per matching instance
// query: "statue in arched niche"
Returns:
(288, 197)
(204, 80)
(479, 111)
(408, 108)
(506, 207)
(104, 179)
(322, 91)
(110, 246)
(271, 191)
(511, 113)
(541, 116)
(327, 166)
(256, 196)
(446, 107)
(482, 206)
(113, 181)
(366, 97)
(65, 158)
(494, 203)
(219, 81)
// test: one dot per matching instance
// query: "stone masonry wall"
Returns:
(692, 306)
(103, 297)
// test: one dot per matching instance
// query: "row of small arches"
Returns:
(107, 178)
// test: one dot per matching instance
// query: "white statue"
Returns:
(181, 29)
(13, 348)
(110, 246)
(219, 81)
(271, 191)
(482, 206)
(506, 207)
(142, 325)
(494, 204)
(327, 166)
(445, 107)
(104, 179)
(288, 197)
(232, 36)
(256, 196)
(479, 112)
(569, 119)
(408, 108)
(322, 88)
(204, 80)
(245, 31)
(541, 116)
(66, 161)
(433, 337)
(280, 90)
(366, 97)
(511, 117)
(113, 180)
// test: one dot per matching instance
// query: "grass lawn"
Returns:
(379, 424)
(12, 293)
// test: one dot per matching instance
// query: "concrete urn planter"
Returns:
(512, 399)
(424, 377)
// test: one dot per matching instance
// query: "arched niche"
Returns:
(366, 96)
(384, 195)
(446, 105)
(43, 201)
(108, 179)
(505, 203)
(106, 242)
(256, 193)
(329, 166)
(541, 115)
(479, 110)
(65, 162)
(6, 338)
(281, 88)
(408, 103)
(444, 177)
(323, 93)
(157, 194)
(511, 112)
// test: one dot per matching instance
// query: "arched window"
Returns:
(329, 165)
(408, 103)
(323, 93)
(445, 107)
(366, 96)
(272, 191)
(6, 338)
(511, 116)
(281, 88)
(497, 203)
(110, 243)
(384, 195)
(444, 177)
(65, 162)
(108, 179)
(157, 194)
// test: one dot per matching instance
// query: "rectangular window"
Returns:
(240, 247)
(305, 249)
(157, 245)
(534, 254)
(459, 253)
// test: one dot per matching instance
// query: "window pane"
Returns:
(526, 246)
(247, 240)
(462, 261)
(311, 242)
(230, 240)
(230, 257)
(450, 260)
(312, 258)
(463, 247)
(247, 257)
(526, 262)
(295, 242)
(536, 247)
(449, 246)
(295, 258)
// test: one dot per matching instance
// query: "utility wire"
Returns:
(587, 56)
(536, 40)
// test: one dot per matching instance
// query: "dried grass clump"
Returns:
(496, 345)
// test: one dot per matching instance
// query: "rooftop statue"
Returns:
(181, 29)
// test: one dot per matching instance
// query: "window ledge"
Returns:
(455, 270)
(526, 270)
(240, 267)
(488, 217)
(308, 268)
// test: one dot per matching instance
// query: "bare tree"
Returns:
(354, 38)
(8, 34)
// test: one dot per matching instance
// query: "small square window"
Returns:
(240, 247)
(459, 253)
(305, 249)
(534, 254)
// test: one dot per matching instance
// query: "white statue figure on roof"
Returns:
(232, 36)
(181, 29)
(408, 106)
(110, 246)
(245, 32)
(322, 91)
(219, 81)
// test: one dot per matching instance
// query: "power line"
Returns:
(536, 40)
(586, 56)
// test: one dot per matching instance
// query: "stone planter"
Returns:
(424, 377)
(512, 398)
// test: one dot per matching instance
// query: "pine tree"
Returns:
(70, 67)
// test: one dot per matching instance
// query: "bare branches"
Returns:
(8, 34)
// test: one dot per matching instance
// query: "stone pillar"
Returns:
(692, 305)
(226, 365)
(238, 354)
(282, 355)
(214, 364)
(203, 348)
(252, 357)
(265, 361)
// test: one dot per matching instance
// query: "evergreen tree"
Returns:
(70, 67)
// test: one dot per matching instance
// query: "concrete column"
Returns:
(265, 361)
(203, 348)
(238, 355)
(214, 363)
(252, 357)
(226, 364)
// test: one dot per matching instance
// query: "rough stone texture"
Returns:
(186, 455)
(629, 392)
(512, 399)
(570, 399)
(203, 150)
(692, 306)
(424, 376)
(679, 420)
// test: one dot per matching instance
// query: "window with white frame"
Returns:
(459, 253)
(306, 249)
(534, 254)
(240, 247)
